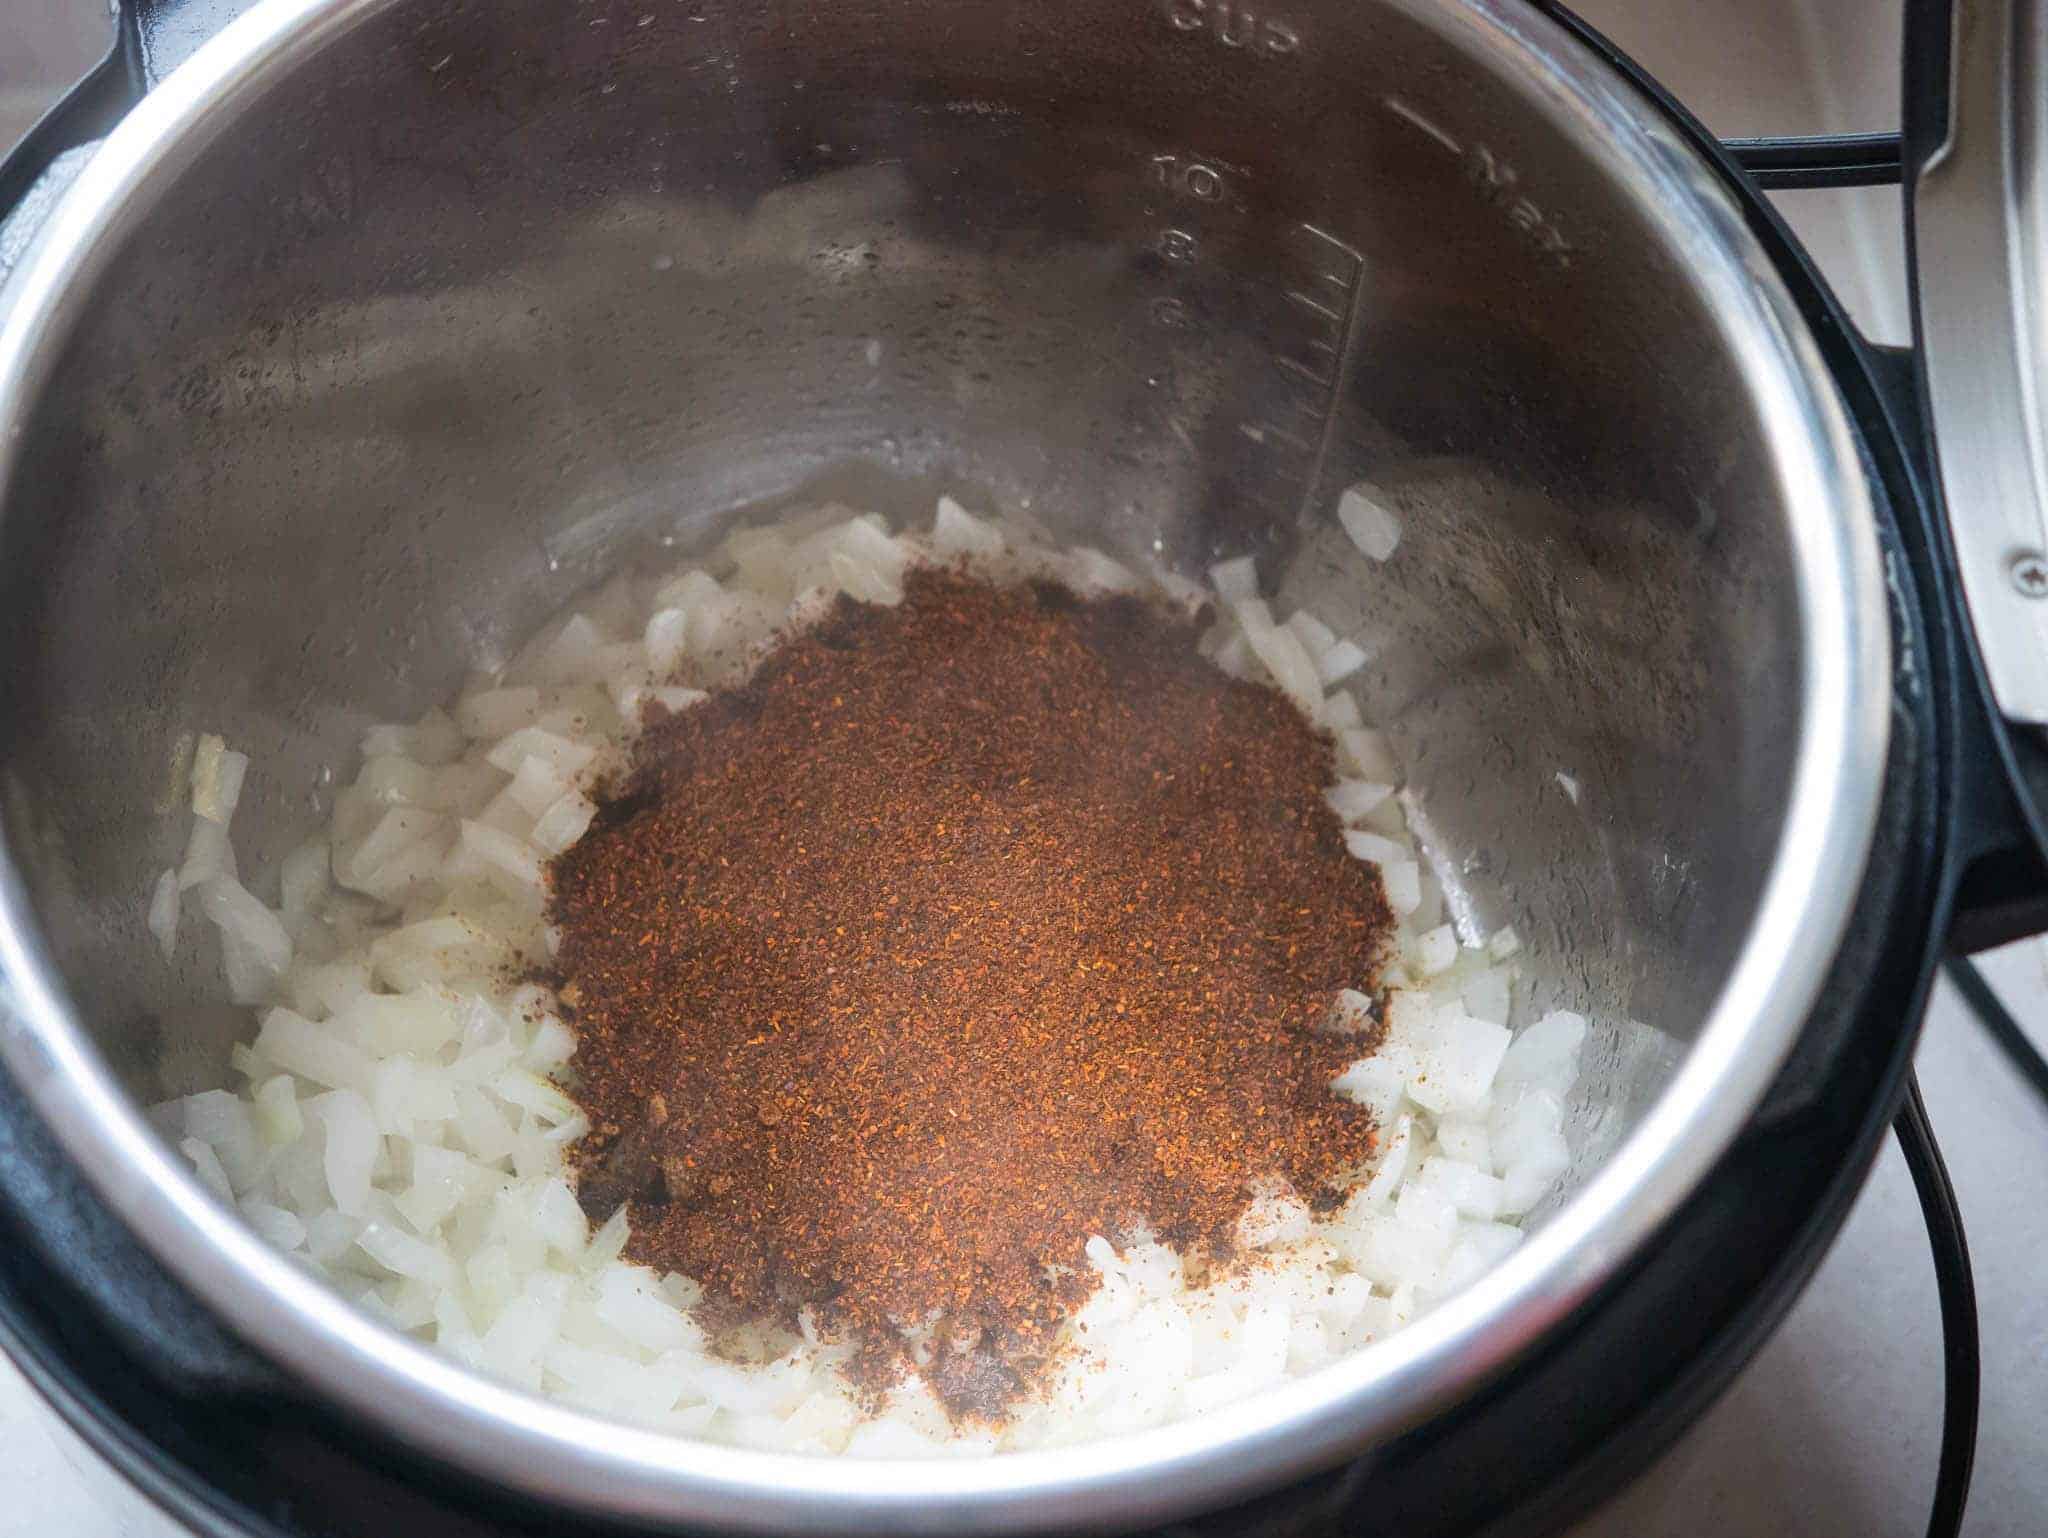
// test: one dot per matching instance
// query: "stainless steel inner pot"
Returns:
(386, 325)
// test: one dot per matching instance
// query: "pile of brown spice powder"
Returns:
(964, 930)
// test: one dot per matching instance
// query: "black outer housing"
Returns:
(223, 1440)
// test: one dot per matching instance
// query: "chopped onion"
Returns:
(207, 854)
(163, 913)
(253, 939)
(1339, 712)
(351, 1147)
(564, 822)
(1437, 951)
(1289, 665)
(1315, 637)
(957, 533)
(1375, 530)
(488, 714)
(207, 1166)
(1365, 753)
(217, 775)
(299, 1046)
(1235, 580)
(1352, 800)
(1340, 662)
(566, 758)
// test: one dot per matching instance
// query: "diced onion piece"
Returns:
(1252, 613)
(558, 1219)
(957, 533)
(1403, 882)
(206, 1165)
(1234, 656)
(351, 1147)
(225, 1123)
(399, 852)
(419, 1022)
(405, 1255)
(436, 739)
(1290, 666)
(441, 949)
(1377, 1083)
(1315, 637)
(564, 822)
(1470, 1191)
(441, 1179)
(390, 779)
(1236, 579)
(553, 1045)
(1352, 1014)
(207, 854)
(566, 758)
(1352, 800)
(1274, 1217)
(1464, 1140)
(1375, 530)
(667, 640)
(1545, 1054)
(255, 944)
(488, 714)
(163, 913)
(217, 774)
(278, 1117)
(277, 1226)
(687, 590)
(862, 580)
(531, 1093)
(1340, 662)
(513, 859)
(535, 786)
(1339, 712)
(1373, 848)
(628, 1301)
(1364, 753)
(299, 1046)
(1454, 1058)
(1487, 995)
(1091, 573)
(1437, 951)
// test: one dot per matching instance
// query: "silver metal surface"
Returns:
(1981, 247)
(385, 325)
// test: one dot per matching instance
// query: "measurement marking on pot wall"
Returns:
(1498, 182)
(1308, 336)
(1196, 178)
(1235, 25)
(1336, 270)
(1415, 119)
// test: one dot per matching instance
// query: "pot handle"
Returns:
(1968, 389)
(43, 162)
(1972, 211)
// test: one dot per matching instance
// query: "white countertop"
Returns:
(1832, 1432)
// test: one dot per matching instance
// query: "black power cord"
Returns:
(1958, 1298)
(1999, 1024)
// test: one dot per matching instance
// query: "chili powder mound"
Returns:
(964, 930)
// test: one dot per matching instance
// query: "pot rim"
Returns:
(548, 1451)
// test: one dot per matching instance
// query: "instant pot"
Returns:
(340, 334)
